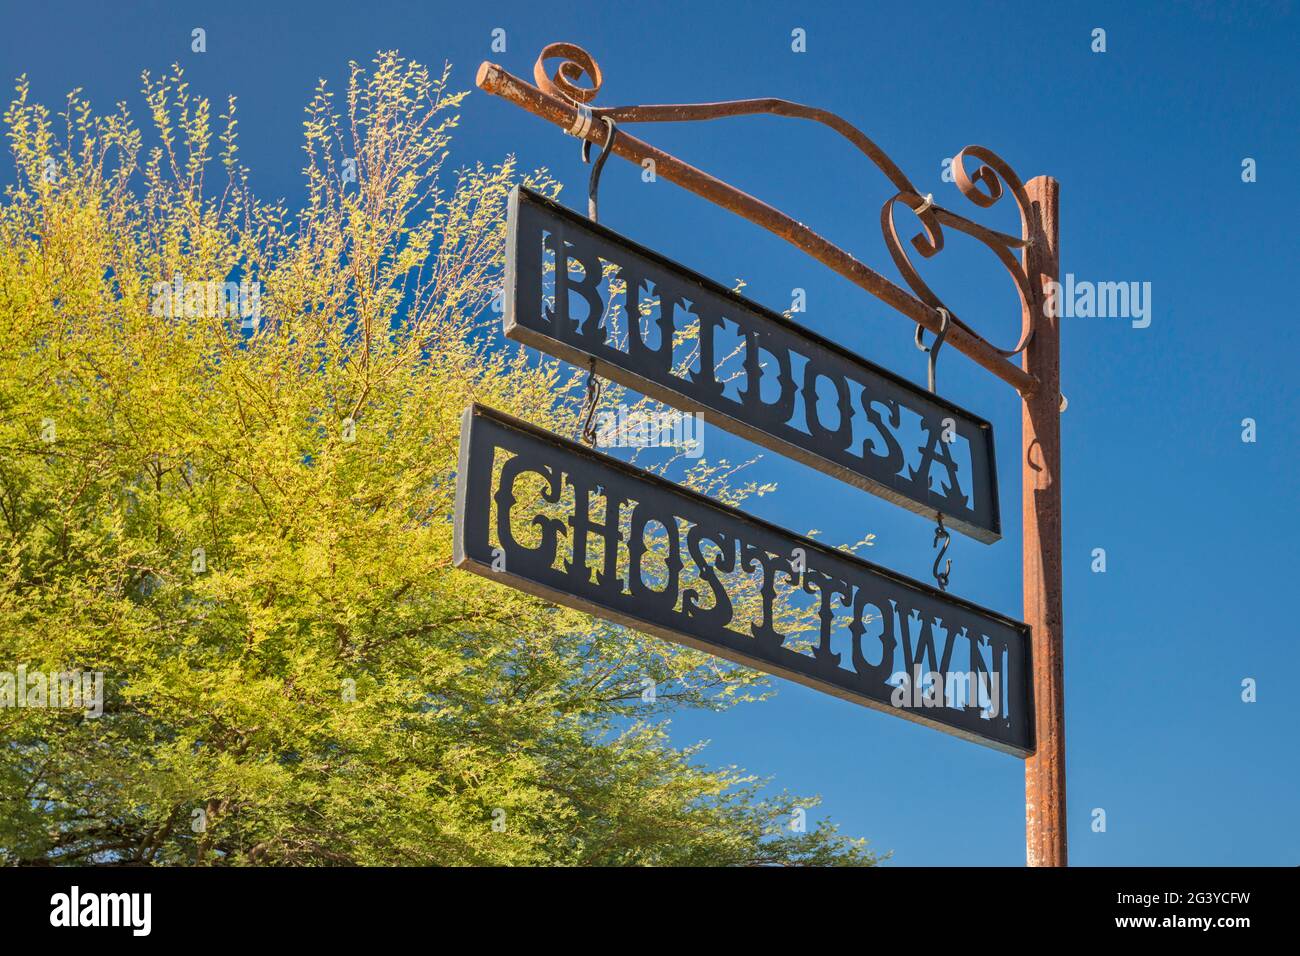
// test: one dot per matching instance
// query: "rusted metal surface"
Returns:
(562, 101)
(1045, 831)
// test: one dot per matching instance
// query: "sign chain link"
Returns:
(941, 535)
(594, 385)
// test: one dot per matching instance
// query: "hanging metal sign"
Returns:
(797, 393)
(571, 525)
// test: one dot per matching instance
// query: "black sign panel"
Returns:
(797, 393)
(556, 519)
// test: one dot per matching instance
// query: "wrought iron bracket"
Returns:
(560, 99)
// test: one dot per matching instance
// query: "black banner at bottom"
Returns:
(501, 907)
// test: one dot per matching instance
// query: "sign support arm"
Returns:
(499, 82)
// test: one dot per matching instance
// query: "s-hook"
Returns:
(933, 348)
(594, 385)
(941, 535)
(593, 186)
(589, 402)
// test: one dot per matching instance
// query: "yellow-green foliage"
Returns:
(316, 685)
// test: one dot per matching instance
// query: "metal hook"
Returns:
(934, 346)
(589, 403)
(594, 185)
(594, 385)
(941, 534)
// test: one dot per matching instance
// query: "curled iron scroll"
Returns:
(984, 187)
(931, 242)
(564, 82)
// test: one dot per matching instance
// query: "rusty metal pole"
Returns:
(1045, 831)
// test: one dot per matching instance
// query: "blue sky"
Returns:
(1147, 140)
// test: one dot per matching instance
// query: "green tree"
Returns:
(245, 524)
